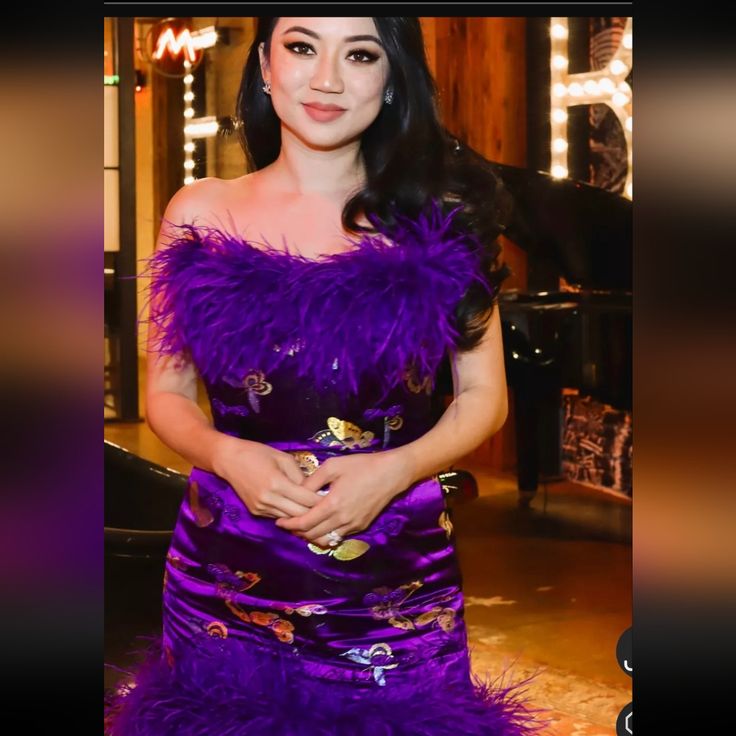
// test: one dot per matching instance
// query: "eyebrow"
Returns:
(348, 39)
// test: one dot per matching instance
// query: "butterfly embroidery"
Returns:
(307, 610)
(385, 603)
(348, 550)
(281, 628)
(378, 658)
(229, 582)
(344, 434)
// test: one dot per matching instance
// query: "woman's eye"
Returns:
(296, 45)
(368, 57)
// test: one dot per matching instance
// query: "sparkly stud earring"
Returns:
(388, 97)
(267, 88)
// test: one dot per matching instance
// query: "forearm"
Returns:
(181, 425)
(474, 415)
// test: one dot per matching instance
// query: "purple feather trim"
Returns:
(244, 690)
(376, 309)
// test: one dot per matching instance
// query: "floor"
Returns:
(547, 589)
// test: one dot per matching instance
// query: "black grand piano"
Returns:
(577, 337)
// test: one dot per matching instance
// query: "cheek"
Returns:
(369, 84)
(367, 96)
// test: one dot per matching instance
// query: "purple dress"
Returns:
(264, 633)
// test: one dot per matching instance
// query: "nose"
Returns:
(327, 77)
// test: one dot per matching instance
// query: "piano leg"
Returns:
(536, 415)
(527, 443)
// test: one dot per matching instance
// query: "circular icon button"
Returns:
(623, 722)
(623, 652)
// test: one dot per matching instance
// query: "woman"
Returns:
(312, 584)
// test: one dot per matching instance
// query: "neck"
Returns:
(303, 169)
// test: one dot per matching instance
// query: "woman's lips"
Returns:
(322, 116)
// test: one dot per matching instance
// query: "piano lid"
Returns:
(585, 231)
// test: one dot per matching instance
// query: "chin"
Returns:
(325, 138)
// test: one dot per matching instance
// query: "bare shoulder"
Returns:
(195, 201)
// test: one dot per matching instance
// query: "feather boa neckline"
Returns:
(381, 308)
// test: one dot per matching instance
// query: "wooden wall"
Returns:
(479, 65)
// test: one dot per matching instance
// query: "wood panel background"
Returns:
(479, 65)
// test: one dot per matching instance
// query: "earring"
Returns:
(267, 88)
(388, 97)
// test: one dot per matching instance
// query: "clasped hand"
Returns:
(360, 487)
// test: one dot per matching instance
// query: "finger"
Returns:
(271, 512)
(321, 477)
(298, 494)
(289, 508)
(316, 515)
(291, 469)
(320, 530)
(325, 541)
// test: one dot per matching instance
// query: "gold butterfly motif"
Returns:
(390, 602)
(445, 523)
(307, 461)
(308, 610)
(412, 381)
(256, 385)
(281, 628)
(395, 422)
(343, 433)
(217, 628)
(445, 618)
(383, 655)
(348, 550)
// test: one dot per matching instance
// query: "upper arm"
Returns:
(173, 373)
(484, 365)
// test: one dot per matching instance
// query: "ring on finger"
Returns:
(334, 538)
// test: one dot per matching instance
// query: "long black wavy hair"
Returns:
(410, 159)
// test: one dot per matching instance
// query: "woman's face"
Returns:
(319, 62)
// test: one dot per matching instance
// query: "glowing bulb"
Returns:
(558, 31)
(559, 115)
(559, 172)
(189, 164)
(189, 112)
(189, 147)
(629, 123)
(575, 89)
(559, 90)
(559, 62)
(188, 180)
(606, 85)
(591, 87)
(630, 190)
(620, 99)
(559, 145)
(628, 41)
(188, 79)
(618, 67)
(189, 96)
(203, 128)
